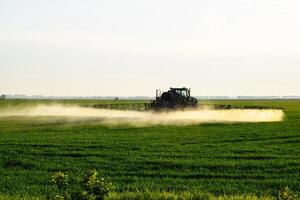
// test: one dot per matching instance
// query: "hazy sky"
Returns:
(132, 47)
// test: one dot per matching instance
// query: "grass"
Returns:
(147, 195)
(219, 159)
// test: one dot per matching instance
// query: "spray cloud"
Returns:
(138, 118)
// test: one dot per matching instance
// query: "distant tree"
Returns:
(2, 96)
(117, 98)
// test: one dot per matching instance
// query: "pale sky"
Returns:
(132, 47)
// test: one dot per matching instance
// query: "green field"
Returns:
(219, 159)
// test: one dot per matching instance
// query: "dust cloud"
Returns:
(143, 118)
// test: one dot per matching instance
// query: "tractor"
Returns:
(175, 98)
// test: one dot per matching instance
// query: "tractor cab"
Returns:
(182, 92)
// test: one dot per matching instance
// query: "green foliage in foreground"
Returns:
(157, 195)
(89, 188)
(284, 194)
(226, 160)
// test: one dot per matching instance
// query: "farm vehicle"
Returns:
(174, 99)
